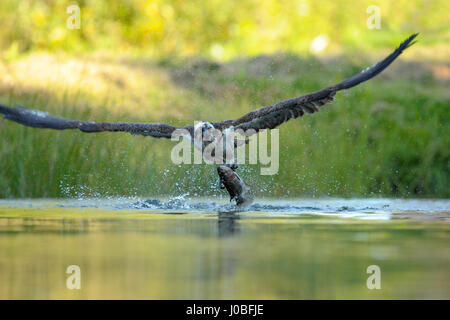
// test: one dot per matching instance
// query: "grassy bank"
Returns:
(388, 137)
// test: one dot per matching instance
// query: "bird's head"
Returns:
(203, 128)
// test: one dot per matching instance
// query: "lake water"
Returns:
(199, 249)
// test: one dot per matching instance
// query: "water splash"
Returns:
(375, 209)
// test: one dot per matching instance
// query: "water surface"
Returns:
(200, 249)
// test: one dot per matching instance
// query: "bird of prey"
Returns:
(268, 117)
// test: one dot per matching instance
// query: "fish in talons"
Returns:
(230, 180)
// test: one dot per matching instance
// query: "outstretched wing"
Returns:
(39, 119)
(260, 119)
(272, 116)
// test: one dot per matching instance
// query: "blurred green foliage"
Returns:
(145, 61)
(222, 29)
(388, 137)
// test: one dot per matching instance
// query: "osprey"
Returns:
(268, 117)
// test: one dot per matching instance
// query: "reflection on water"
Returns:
(227, 224)
(148, 254)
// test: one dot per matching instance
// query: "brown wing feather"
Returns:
(273, 116)
(39, 119)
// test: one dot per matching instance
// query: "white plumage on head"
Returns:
(202, 134)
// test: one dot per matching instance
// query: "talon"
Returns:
(235, 186)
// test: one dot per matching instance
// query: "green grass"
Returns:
(388, 137)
